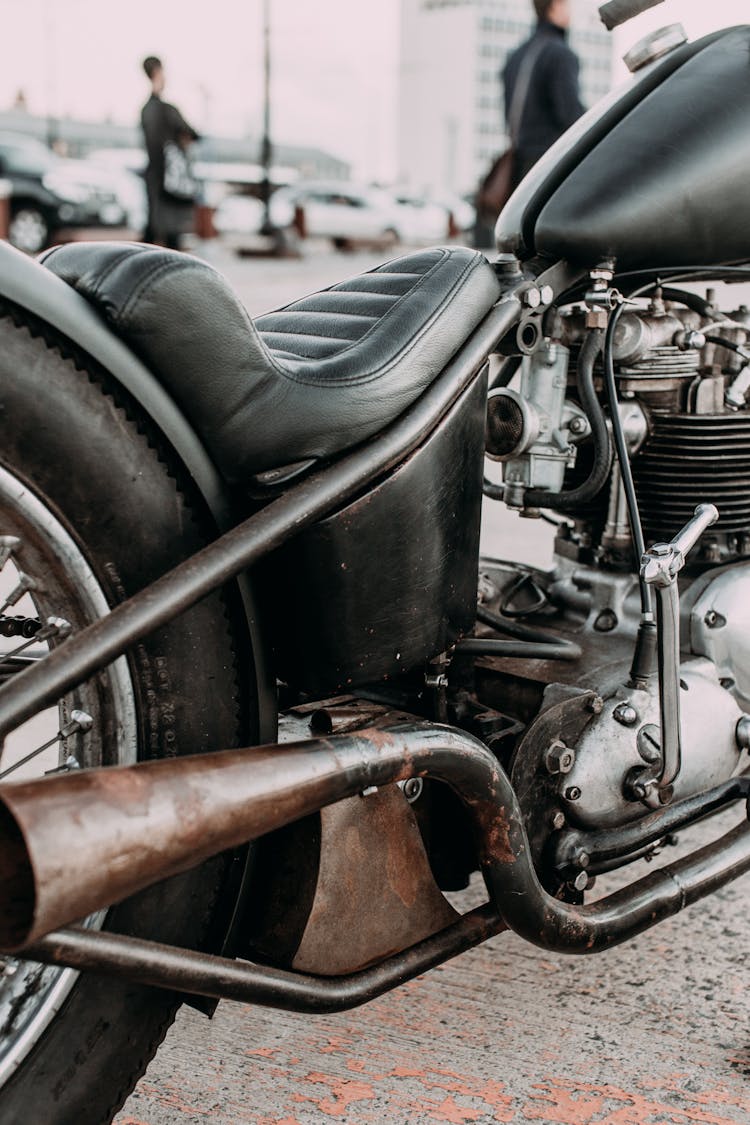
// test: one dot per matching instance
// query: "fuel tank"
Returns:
(655, 176)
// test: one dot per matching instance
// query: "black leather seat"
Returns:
(305, 382)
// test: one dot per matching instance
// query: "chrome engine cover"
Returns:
(719, 626)
(592, 791)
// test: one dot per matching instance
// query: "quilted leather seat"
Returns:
(305, 382)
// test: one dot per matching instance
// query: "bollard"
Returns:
(6, 191)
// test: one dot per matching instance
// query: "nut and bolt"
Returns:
(572, 793)
(578, 425)
(559, 758)
(714, 620)
(557, 820)
(606, 621)
(581, 881)
(595, 705)
(625, 714)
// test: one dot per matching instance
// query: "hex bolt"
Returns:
(532, 298)
(557, 820)
(547, 294)
(578, 425)
(581, 881)
(572, 793)
(625, 714)
(559, 758)
(595, 705)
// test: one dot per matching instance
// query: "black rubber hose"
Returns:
(623, 456)
(599, 475)
(492, 490)
(690, 300)
(524, 650)
(722, 342)
(505, 372)
(522, 632)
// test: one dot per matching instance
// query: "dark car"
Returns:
(50, 194)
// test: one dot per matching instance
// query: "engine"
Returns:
(684, 410)
(589, 725)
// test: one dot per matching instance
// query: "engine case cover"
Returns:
(607, 750)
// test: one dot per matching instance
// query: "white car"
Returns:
(240, 221)
(421, 220)
(347, 214)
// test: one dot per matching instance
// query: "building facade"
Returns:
(451, 119)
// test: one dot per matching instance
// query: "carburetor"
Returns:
(534, 430)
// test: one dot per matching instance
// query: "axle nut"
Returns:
(559, 758)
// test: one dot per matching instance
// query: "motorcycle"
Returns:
(263, 704)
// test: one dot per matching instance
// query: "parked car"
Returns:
(348, 214)
(421, 220)
(239, 219)
(51, 194)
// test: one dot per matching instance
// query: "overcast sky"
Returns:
(335, 63)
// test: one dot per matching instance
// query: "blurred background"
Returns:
(349, 122)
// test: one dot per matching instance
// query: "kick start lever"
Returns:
(660, 566)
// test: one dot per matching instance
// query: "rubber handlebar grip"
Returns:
(615, 12)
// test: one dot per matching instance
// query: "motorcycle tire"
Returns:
(84, 451)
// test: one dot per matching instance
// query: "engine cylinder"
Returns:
(690, 459)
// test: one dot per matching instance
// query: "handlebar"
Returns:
(616, 12)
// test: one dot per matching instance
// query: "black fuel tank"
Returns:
(660, 179)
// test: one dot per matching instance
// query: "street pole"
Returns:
(266, 151)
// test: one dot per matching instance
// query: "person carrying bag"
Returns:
(499, 183)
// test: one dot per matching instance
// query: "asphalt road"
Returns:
(652, 1033)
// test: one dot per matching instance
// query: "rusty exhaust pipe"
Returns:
(72, 845)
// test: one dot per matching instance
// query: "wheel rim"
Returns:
(30, 994)
(28, 231)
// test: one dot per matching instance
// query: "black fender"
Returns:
(27, 284)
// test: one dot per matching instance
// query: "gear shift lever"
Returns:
(660, 566)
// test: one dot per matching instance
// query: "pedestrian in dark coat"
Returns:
(552, 101)
(170, 215)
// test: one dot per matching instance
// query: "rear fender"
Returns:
(27, 284)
